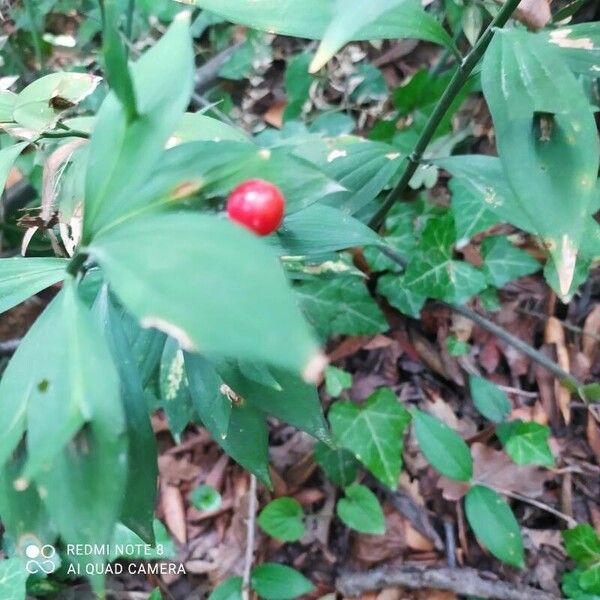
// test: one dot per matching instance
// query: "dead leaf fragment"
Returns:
(534, 13)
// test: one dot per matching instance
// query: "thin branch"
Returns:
(250, 529)
(463, 581)
(457, 82)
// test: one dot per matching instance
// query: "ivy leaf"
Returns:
(443, 447)
(372, 433)
(336, 381)
(13, 577)
(283, 519)
(278, 582)
(398, 294)
(341, 305)
(547, 141)
(526, 442)
(339, 464)
(495, 525)
(502, 262)
(229, 589)
(360, 510)
(489, 399)
(582, 543)
(21, 278)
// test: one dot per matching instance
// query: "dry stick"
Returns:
(456, 84)
(249, 556)
(463, 581)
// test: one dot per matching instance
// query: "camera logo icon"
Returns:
(40, 559)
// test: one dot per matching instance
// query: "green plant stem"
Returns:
(457, 82)
(76, 263)
(35, 34)
(129, 23)
(500, 332)
(55, 135)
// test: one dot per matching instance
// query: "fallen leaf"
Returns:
(554, 333)
(534, 13)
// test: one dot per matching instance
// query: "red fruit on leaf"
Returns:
(257, 205)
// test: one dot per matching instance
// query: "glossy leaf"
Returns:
(494, 525)
(526, 442)
(21, 278)
(13, 577)
(394, 288)
(336, 381)
(123, 154)
(249, 311)
(471, 213)
(229, 589)
(578, 45)
(283, 519)
(8, 156)
(360, 510)
(339, 465)
(279, 582)
(489, 399)
(194, 127)
(443, 447)
(547, 141)
(503, 262)
(372, 433)
(582, 543)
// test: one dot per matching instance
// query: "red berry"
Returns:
(257, 205)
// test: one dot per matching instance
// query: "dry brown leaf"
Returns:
(172, 505)
(554, 333)
(534, 13)
(174, 470)
(593, 436)
(495, 467)
(591, 329)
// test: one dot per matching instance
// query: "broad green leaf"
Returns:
(340, 305)
(457, 347)
(283, 519)
(372, 433)
(123, 154)
(471, 213)
(400, 296)
(571, 587)
(297, 84)
(21, 278)
(339, 464)
(582, 544)
(503, 262)
(279, 582)
(229, 589)
(205, 498)
(489, 399)
(240, 429)
(347, 25)
(579, 46)
(443, 447)
(7, 106)
(142, 470)
(35, 107)
(589, 579)
(336, 381)
(320, 229)
(472, 22)
(194, 127)
(227, 295)
(546, 138)
(495, 525)
(328, 20)
(174, 390)
(155, 595)
(360, 510)
(526, 442)
(13, 577)
(295, 402)
(8, 156)
(125, 543)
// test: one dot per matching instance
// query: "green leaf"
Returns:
(205, 498)
(526, 442)
(547, 141)
(372, 433)
(229, 589)
(578, 45)
(297, 84)
(8, 156)
(249, 312)
(341, 305)
(13, 577)
(472, 22)
(125, 543)
(360, 510)
(155, 595)
(7, 106)
(336, 381)
(502, 262)
(21, 278)
(457, 347)
(123, 154)
(582, 544)
(589, 579)
(399, 296)
(339, 465)
(489, 399)
(195, 127)
(328, 20)
(142, 469)
(34, 107)
(319, 229)
(283, 519)
(278, 582)
(495, 525)
(443, 447)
